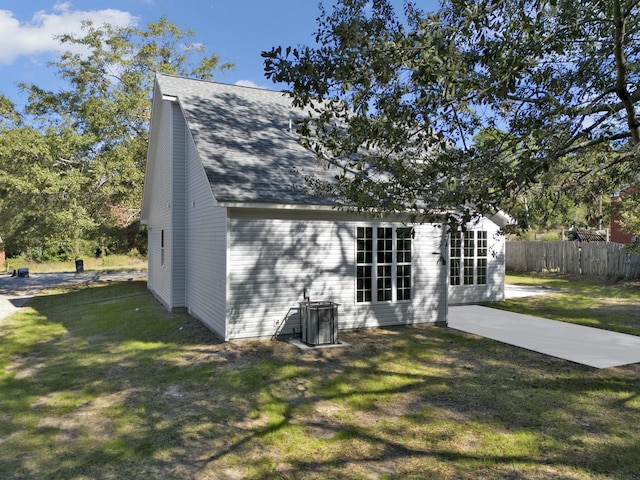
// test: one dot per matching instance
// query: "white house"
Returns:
(237, 240)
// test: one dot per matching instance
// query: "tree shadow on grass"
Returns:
(489, 410)
(106, 383)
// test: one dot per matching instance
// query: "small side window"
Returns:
(162, 248)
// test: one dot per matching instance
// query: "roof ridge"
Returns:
(215, 82)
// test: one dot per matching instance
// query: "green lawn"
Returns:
(106, 263)
(100, 382)
(586, 301)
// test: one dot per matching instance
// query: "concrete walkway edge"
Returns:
(585, 345)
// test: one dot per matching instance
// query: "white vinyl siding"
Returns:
(160, 278)
(273, 261)
(476, 264)
(206, 247)
(178, 243)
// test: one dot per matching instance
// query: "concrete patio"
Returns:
(585, 345)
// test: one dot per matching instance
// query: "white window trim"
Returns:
(475, 258)
(374, 266)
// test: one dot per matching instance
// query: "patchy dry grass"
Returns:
(100, 382)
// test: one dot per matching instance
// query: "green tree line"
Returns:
(72, 161)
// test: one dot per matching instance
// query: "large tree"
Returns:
(72, 165)
(40, 207)
(396, 101)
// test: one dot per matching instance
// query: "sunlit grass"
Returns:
(110, 262)
(582, 300)
(102, 382)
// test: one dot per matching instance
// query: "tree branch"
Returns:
(603, 168)
(621, 72)
(590, 143)
(607, 107)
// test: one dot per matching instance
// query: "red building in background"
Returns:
(618, 235)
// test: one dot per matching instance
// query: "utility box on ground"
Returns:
(319, 322)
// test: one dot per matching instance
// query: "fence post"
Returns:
(580, 260)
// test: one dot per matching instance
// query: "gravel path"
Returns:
(15, 292)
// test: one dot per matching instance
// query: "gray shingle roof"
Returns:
(243, 138)
(583, 235)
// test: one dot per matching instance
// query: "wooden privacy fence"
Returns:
(594, 258)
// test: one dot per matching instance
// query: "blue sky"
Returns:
(236, 30)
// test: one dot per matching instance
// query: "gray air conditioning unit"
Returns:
(319, 322)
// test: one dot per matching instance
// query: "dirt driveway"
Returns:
(15, 292)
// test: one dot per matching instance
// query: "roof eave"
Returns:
(275, 206)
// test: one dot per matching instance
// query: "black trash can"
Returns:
(79, 266)
(319, 322)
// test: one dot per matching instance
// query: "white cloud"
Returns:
(249, 83)
(37, 35)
